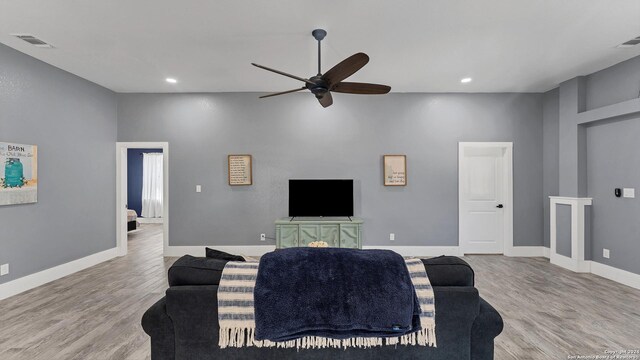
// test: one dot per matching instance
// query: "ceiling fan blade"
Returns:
(284, 73)
(282, 92)
(326, 100)
(360, 88)
(345, 68)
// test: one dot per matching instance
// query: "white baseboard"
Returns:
(615, 274)
(422, 251)
(249, 250)
(525, 251)
(570, 263)
(546, 252)
(563, 261)
(29, 282)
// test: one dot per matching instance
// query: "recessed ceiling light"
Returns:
(466, 80)
(171, 80)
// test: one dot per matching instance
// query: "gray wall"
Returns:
(563, 230)
(613, 152)
(613, 160)
(550, 154)
(293, 137)
(598, 157)
(73, 122)
(612, 85)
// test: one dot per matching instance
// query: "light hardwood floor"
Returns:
(92, 314)
(552, 313)
(549, 313)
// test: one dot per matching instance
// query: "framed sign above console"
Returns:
(395, 170)
(240, 171)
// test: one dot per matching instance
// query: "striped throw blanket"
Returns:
(237, 322)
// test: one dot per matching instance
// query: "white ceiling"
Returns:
(414, 45)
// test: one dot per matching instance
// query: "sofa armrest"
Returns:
(158, 325)
(456, 309)
(194, 311)
(449, 271)
(485, 328)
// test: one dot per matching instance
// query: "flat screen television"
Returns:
(327, 197)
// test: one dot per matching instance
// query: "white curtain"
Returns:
(152, 185)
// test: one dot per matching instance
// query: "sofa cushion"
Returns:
(221, 255)
(190, 270)
(449, 271)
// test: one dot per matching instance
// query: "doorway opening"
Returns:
(142, 195)
(485, 197)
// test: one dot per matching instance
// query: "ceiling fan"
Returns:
(322, 85)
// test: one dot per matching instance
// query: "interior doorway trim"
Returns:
(507, 195)
(121, 192)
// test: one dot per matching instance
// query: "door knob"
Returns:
(500, 206)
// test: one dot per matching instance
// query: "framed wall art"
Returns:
(240, 172)
(395, 170)
(18, 174)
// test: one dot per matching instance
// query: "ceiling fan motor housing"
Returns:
(319, 88)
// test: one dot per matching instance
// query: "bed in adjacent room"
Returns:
(132, 220)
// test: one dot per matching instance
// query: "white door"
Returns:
(483, 180)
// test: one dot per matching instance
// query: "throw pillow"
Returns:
(217, 254)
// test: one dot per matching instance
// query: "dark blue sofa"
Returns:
(184, 324)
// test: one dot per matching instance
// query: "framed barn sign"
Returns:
(18, 174)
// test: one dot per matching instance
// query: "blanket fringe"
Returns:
(240, 337)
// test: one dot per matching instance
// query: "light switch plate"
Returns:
(198, 188)
(606, 253)
(629, 192)
(4, 269)
(392, 237)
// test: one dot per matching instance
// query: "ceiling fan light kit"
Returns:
(321, 85)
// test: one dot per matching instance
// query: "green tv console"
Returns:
(337, 232)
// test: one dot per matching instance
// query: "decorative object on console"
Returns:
(240, 172)
(18, 174)
(318, 244)
(395, 170)
(321, 85)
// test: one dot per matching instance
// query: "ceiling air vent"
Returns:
(33, 40)
(630, 43)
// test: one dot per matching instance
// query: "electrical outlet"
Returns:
(605, 253)
(629, 193)
(263, 237)
(4, 269)
(392, 237)
(198, 188)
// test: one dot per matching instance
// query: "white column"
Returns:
(577, 261)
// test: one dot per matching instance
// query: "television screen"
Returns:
(320, 198)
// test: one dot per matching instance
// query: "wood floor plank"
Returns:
(549, 312)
